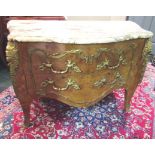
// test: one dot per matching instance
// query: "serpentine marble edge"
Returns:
(78, 32)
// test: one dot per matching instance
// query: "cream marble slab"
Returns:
(79, 32)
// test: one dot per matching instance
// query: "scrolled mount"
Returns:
(13, 59)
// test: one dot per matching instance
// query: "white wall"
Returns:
(96, 18)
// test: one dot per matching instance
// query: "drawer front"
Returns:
(81, 75)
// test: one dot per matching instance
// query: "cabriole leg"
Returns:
(25, 104)
(128, 95)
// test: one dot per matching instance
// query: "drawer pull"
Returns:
(70, 83)
(70, 65)
(118, 79)
(105, 64)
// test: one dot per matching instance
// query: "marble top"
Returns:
(79, 32)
